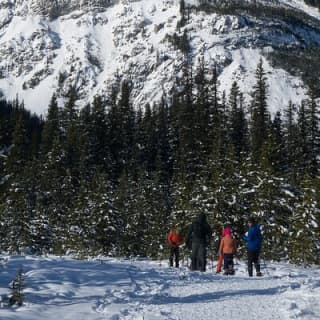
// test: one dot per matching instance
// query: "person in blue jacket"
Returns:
(254, 242)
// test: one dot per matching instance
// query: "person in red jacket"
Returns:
(175, 239)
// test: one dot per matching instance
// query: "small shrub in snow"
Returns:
(17, 287)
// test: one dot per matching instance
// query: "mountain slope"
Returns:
(92, 45)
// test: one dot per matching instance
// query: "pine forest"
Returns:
(112, 179)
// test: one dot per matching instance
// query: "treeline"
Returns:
(315, 3)
(112, 179)
(274, 10)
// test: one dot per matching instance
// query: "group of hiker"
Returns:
(197, 240)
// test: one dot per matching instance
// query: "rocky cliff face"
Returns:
(46, 47)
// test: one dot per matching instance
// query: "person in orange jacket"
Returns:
(175, 239)
(228, 247)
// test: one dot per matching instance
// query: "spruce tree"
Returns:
(99, 134)
(164, 148)
(290, 137)
(313, 118)
(17, 287)
(16, 210)
(122, 124)
(238, 123)
(304, 226)
(51, 127)
(259, 113)
(202, 114)
(18, 155)
(303, 146)
(87, 154)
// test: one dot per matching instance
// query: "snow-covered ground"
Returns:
(68, 289)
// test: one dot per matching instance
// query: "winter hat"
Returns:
(252, 220)
(227, 232)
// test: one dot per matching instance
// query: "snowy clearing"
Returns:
(64, 288)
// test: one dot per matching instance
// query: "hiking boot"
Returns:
(259, 274)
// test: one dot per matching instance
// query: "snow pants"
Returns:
(198, 256)
(253, 258)
(174, 254)
(228, 261)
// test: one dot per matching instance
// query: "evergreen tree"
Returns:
(259, 113)
(238, 123)
(269, 204)
(104, 223)
(202, 114)
(303, 147)
(56, 194)
(99, 134)
(313, 114)
(18, 155)
(164, 165)
(187, 153)
(272, 155)
(5, 124)
(51, 128)
(182, 10)
(290, 137)
(148, 140)
(88, 159)
(17, 287)
(122, 124)
(304, 226)
(71, 135)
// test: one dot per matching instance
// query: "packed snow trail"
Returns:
(114, 289)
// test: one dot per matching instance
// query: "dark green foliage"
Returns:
(180, 42)
(182, 21)
(108, 179)
(238, 124)
(259, 114)
(290, 138)
(304, 231)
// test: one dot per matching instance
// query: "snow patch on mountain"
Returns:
(92, 49)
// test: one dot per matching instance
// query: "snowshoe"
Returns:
(229, 272)
(259, 274)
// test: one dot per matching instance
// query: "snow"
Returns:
(281, 85)
(301, 5)
(114, 289)
(129, 39)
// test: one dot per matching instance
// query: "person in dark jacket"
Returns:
(254, 242)
(197, 239)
